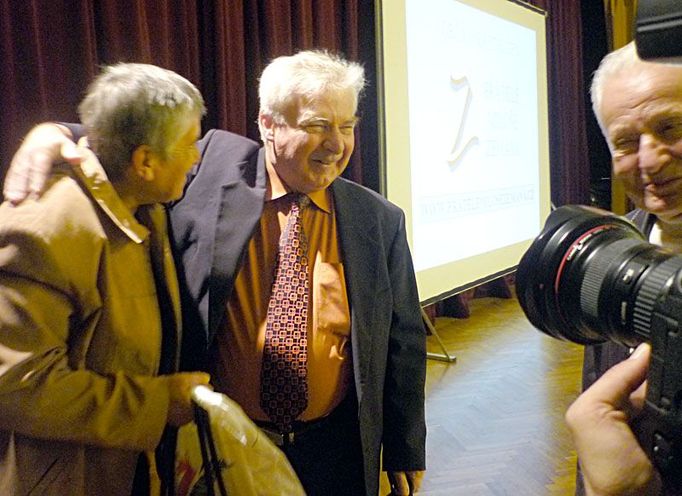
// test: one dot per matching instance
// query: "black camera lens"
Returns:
(590, 277)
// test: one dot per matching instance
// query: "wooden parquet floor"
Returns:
(495, 417)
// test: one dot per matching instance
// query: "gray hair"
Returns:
(128, 105)
(307, 75)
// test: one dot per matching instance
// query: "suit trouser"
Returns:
(327, 454)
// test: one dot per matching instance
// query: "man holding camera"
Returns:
(639, 107)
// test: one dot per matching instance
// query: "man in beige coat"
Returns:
(89, 306)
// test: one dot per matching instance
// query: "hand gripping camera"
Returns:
(591, 277)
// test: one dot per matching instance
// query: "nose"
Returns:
(334, 141)
(653, 155)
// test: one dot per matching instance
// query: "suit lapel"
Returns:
(239, 210)
(358, 235)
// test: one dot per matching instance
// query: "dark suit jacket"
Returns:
(211, 226)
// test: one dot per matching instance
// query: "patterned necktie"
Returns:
(284, 387)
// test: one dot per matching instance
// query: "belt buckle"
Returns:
(279, 439)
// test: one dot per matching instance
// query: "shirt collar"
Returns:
(277, 189)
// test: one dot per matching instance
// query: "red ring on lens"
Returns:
(569, 253)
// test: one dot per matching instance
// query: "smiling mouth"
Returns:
(325, 163)
(664, 188)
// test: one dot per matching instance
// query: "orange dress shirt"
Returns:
(238, 353)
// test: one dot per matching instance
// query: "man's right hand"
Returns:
(44, 145)
(180, 385)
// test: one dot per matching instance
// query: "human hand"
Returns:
(405, 483)
(180, 409)
(612, 461)
(45, 144)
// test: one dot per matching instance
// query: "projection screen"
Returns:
(464, 138)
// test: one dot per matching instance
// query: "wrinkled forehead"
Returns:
(643, 88)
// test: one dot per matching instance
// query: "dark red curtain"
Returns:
(569, 163)
(570, 166)
(50, 49)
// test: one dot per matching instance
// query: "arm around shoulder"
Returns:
(30, 167)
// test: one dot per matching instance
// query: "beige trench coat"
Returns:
(80, 338)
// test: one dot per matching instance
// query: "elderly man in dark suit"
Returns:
(366, 357)
(361, 386)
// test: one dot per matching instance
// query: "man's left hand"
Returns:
(405, 483)
(611, 458)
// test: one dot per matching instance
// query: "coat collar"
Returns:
(94, 179)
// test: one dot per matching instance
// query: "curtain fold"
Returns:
(47, 55)
(570, 167)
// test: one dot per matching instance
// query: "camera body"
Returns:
(591, 277)
(659, 30)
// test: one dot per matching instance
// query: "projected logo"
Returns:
(461, 147)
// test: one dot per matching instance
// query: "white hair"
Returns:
(611, 65)
(307, 75)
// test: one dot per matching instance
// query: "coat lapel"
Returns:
(358, 235)
(239, 210)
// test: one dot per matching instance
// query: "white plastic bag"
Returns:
(250, 464)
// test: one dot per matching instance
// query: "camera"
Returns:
(658, 30)
(591, 277)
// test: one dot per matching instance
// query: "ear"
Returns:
(267, 125)
(143, 159)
